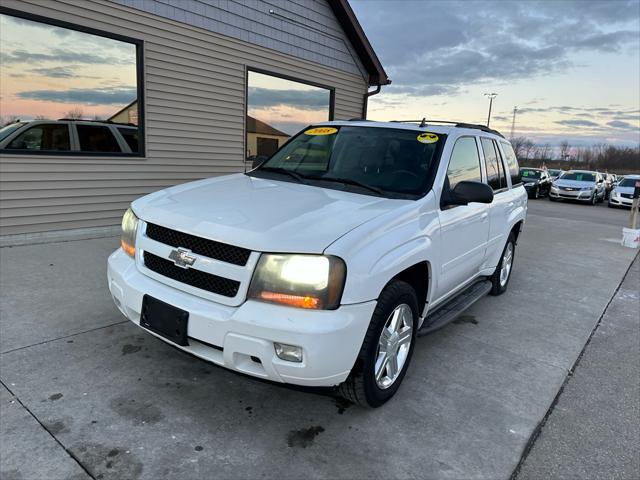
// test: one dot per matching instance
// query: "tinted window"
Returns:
(533, 174)
(579, 176)
(465, 162)
(96, 138)
(512, 163)
(628, 182)
(495, 175)
(52, 137)
(131, 137)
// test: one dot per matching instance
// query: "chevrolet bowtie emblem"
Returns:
(182, 257)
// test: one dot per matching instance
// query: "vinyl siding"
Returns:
(302, 28)
(194, 113)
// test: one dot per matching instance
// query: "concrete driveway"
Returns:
(88, 395)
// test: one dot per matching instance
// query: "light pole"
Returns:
(491, 96)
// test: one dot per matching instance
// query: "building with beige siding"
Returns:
(189, 72)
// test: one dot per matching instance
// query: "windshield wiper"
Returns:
(297, 176)
(349, 181)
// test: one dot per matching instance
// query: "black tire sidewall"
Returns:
(496, 288)
(401, 292)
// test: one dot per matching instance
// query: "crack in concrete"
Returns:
(63, 337)
(536, 432)
(76, 459)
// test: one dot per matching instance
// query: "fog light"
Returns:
(290, 353)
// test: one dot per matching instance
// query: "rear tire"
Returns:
(363, 386)
(501, 276)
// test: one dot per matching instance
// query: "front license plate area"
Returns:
(165, 320)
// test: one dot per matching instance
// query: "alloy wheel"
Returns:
(507, 262)
(394, 345)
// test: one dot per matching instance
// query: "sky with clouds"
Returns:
(571, 67)
(48, 71)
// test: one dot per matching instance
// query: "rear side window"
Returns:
(97, 138)
(49, 137)
(465, 162)
(495, 173)
(130, 136)
(512, 163)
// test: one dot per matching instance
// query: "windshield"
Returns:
(533, 174)
(369, 160)
(579, 176)
(555, 173)
(628, 182)
(9, 129)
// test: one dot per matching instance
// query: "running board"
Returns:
(449, 311)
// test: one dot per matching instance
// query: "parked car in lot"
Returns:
(84, 136)
(555, 173)
(319, 266)
(579, 185)
(622, 194)
(537, 182)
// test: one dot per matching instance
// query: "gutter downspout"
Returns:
(365, 100)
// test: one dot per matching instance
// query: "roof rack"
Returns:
(424, 122)
(95, 121)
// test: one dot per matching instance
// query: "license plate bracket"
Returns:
(166, 320)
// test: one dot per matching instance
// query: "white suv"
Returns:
(321, 266)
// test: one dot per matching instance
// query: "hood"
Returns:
(624, 189)
(574, 183)
(260, 214)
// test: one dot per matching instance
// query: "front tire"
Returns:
(502, 275)
(594, 199)
(387, 348)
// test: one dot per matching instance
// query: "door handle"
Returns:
(484, 215)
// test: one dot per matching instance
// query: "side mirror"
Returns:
(469, 192)
(257, 160)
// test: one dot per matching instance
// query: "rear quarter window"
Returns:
(512, 163)
(97, 138)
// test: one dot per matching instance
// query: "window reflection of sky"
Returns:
(284, 104)
(48, 71)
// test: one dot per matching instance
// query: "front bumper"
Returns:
(234, 337)
(620, 201)
(580, 195)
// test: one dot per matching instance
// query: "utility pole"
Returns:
(513, 123)
(490, 96)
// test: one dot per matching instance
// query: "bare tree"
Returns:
(518, 145)
(7, 119)
(40, 117)
(75, 113)
(564, 150)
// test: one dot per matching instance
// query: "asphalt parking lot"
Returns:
(86, 394)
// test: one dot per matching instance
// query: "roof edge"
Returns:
(351, 26)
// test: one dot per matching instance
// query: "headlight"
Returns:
(529, 184)
(129, 230)
(614, 193)
(304, 281)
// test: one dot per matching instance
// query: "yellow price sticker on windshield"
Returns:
(321, 131)
(427, 138)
